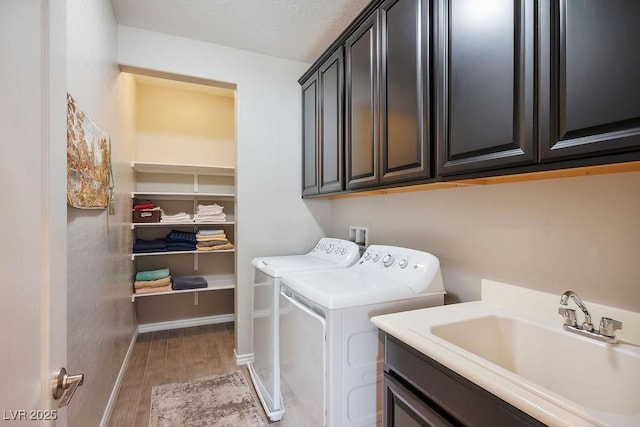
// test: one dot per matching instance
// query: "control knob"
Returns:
(329, 247)
(403, 263)
(367, 255)
(388, 260)
(376, 257)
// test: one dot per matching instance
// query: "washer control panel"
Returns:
(390, 256)
(336, 250)
(398, 266)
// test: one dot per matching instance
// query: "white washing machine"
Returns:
(265, 367)
(330, 353)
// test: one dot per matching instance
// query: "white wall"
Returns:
(100, 314)
(271, 217)
(573, 233)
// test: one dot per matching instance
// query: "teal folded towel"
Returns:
(152, 274)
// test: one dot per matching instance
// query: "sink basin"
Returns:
(531, 362)
(595, 375)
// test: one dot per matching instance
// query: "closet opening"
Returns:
(182, 144)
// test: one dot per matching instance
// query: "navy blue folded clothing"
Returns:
(155, 245)
(176, 236)
(181, 247)
(188, 282)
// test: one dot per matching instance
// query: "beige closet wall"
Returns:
(100, 316)
(188, 124)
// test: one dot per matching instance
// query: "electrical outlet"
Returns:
(359, 234)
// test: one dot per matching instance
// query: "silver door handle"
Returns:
(63, 382)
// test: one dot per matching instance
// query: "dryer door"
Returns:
(303, 363)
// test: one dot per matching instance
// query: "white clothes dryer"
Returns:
(265, 367)
(331, 355)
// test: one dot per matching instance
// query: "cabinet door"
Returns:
(404, 90)
(402, 408)
(361, 99)
(589, 77)
(484, 84)
(310, 136)
(330, 76)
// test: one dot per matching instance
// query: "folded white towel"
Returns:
(205, 218)
(214, 209)
(181, 217)
(209, 232)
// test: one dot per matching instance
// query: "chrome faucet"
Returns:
(607, 328)
(564, 299)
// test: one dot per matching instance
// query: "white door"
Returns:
(33, 215)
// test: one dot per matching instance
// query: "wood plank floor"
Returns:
(165, 357)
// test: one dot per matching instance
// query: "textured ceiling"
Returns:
(292, 29)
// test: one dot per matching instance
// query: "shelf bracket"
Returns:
(195, 262)
(195, 298)
(195, 182)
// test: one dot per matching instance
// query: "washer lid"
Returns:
(328, 253)
(348, 287)
(277, 266)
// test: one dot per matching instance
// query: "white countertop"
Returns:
(414, 329)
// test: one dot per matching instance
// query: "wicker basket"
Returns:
(146, 216)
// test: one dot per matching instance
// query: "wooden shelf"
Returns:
(151, 167)
(213, 286)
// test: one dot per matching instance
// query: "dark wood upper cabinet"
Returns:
(361, 104)
(310, 136)
(322, 128)
(387, 96)
(421, 91)
(484, 90)
(404, 90)
(330, 147)
(589, 77)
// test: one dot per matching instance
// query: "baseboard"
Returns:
(119, 378)
(186, 323)
(243, 359)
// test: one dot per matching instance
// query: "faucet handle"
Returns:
(609, 326)
(569, 316)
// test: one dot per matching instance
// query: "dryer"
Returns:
(331, 355)
(264, 369)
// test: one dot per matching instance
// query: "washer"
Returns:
(265, 367)
(330, 353)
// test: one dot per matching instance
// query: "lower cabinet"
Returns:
(404, 408)
(419, 391)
